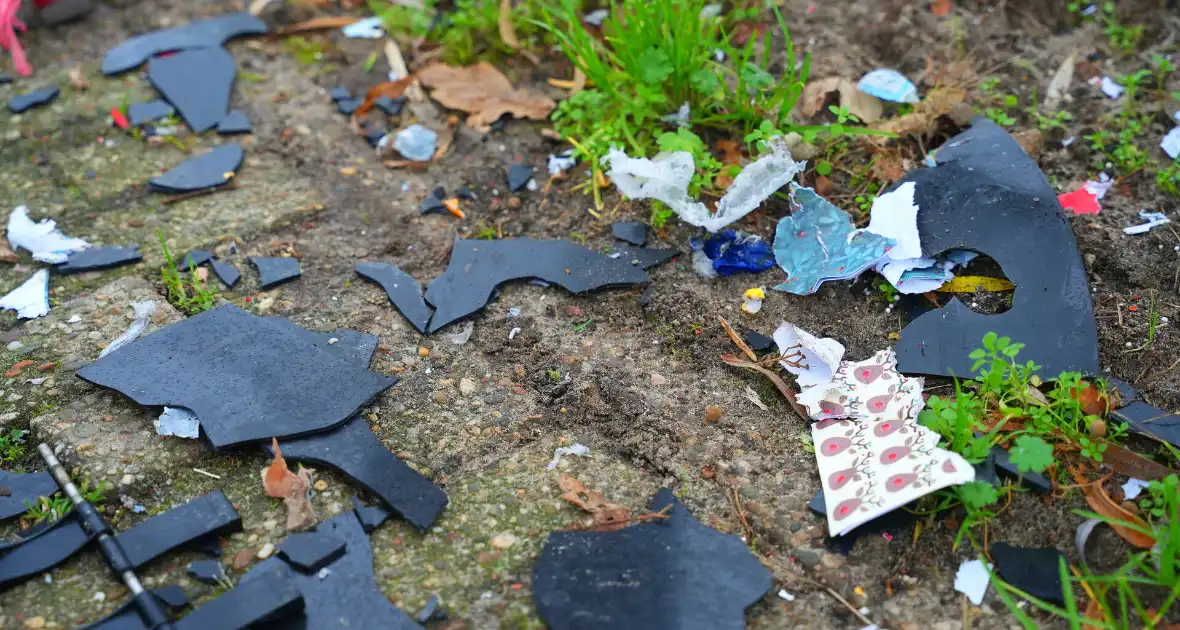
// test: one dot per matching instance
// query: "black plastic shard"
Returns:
(519, 176)
(432, 203)
(273, 598)
(311, 551)
(346, 596)
(24, 102)
(227, 273)
(477, 267)
(340, 93)
(195, 258)
(140, 113)
(666, 574)
(633, 232)
(126, 617)
(5, 79)
(197, 82)
(355, 451)
(370, 516)
(275, 271)
(42, 551)
(209, 33)
(644, 257)
(403, 290)
(1031, 569)
(23, 488)
(234, 123)
(207, 571)
(235, 386)
(988, 196)
(1153, 421)
(391, 106)
(96, 258)
(215, 168)
(759, 342)
(348, 106)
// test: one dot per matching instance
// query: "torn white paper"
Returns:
(368, 28)
(680, 117)
(702, 265)
(179, 422)
(1154, 219)
(894, 215)
(143, 312)
(576, 449)
(43, 239)
(666, 177)
(1100, 187)
(818, 358)
(30, 299)
(753, 397)
(561, 163)
(1171, 143)
(1133, 487)
(1109, 87)
(972, 580)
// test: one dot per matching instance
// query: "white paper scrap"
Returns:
(1110, 87)
(143, 312)
(368, 28)
(972, 580)
(1133, 487)
(43, 239)
(179, 422)
(894, 215)
(820, 356)
(1154, 219)
(576, 449)
(1171, 143)
(31, 299)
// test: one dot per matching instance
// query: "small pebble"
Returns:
(320, 485)
(423, 351)
(35, 622)
(15, 345)
(503, 541)
(658, 379)
(266, 551)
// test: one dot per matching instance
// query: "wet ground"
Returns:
(482, 419)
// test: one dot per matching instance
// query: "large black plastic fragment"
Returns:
(195, 258)
(19, 489)
(343, 596)
(1033, 570)
(140, 113)
(273, 598)
(355, 450)
(24, 102)
(96, 258)
(669, 574)
(403, 290)
(311, 551)
(208, 516)
(234, 123)
(208, 170)
(43, 550)
(126, 617)
(644, 257)
(988, 196)
(227, 273)
(207, 571)
(519, 176)
(209, 33)
(237, 385)
(1152, 421)
(197, 82)
(273, 271)
(477, 267)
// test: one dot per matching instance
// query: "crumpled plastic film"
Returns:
(143, 312)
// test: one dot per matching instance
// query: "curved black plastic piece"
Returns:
(42, 551)
(1153, 421)
(403, 290)
(660, 575)
(97, 258)
(211, 515)
(234, 384)
(477, 267)
(273, 271)
(227, 273)
(987, 195)
(140, 113)
(195, 258)
(126, 617)
(346, 596)
(370, 516)
(519, 176)
(21, 488)
(634, 232)
(355, 451)
(273, 598)
(24, 102)
(197, 82)
(203, 34)
(311, 551)
(204, 171)
(643, 257)
(1034, 570)
(234, 123)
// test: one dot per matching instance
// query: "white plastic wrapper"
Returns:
(143, 312)
(368, 28)
(1171, 143)
(43, 239)
(1154, 219)
(972, 580)
(666, 178)
(576, 449)
(31, 299)
(179, 422)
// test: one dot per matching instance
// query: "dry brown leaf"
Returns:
(484, 92)
(507, 30)
(1092, 401)
(823, 186)
(938, 102)
(1127, 462)
(888, 166)
(1094, 611)
(318, 24)
(392, 89)
(866, 107)
(605, 516)
(731, 153)
(1101, 503)
(446, 138)
(941, 8)
(278, 481)
(77, 79)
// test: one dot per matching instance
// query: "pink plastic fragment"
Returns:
(1082, 201)
(9, 25)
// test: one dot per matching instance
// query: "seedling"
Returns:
(54, 507)
(12, 447)
(189, 297)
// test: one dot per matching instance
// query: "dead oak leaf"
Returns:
(484, 92)
(866, 107)
(278, 481)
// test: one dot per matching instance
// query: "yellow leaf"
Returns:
(971, 284)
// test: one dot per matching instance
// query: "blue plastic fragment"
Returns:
(889, 85)
(817, 242)
(732, 251)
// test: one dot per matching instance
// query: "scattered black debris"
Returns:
(1153, 421)
(894, 522)
(197, 82)
(519, 175)
(759, 342)
(209, 33)
(1015, 218)
(209, 170)
(312, 389)
(431, 611)
(126, 617)
(140, 113)
(207, 571)
(340, 93)
(355, 451)
(194, 259)
(370, 517)
(431, 204)
(1033, 570)
(273, 271)
(23, 488)
(634, 232)
(96, 258)
(373, 134)
(342, 594)
(234, 123)
(403, 290)
(24, 102)
(311, 551)
(348, 106)
(228, 274)
(709, 577)
(477, 267)
(643, 257)
(209, 515)
(391, 106)
(465, 193)
(273, 597)
(5, 79)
